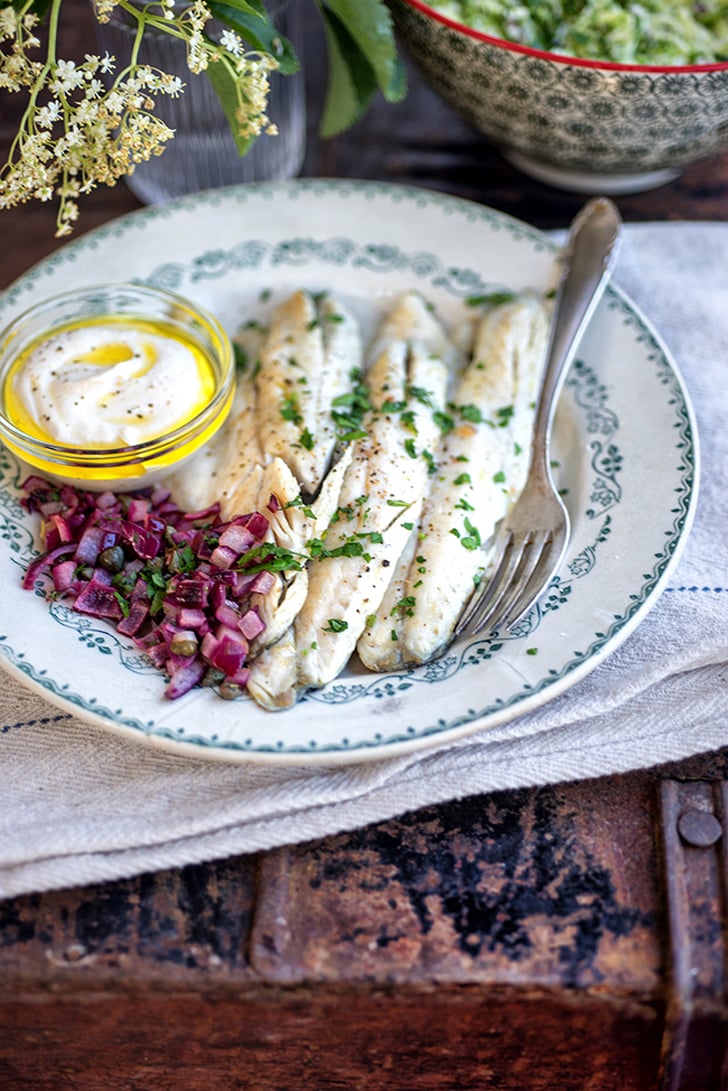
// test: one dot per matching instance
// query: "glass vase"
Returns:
(202, 153)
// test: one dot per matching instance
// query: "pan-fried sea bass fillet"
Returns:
(307, 360)
(381, 492)
(223, 465)
(481, 466)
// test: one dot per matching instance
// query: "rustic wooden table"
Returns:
(568, 938)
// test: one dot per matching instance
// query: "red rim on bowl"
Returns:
(560, 58)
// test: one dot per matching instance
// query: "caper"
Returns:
(229, 691)
(184, 643)
(212, 677)
(112, 559)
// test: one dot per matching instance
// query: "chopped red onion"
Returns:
(172, 581)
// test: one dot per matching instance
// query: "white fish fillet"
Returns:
(307, 359)
(274, 675)
(481, 470)
(222, 465)
(212, 472)
(292, 526)
(380, 495)
(273, 666)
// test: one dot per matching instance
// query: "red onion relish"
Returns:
(178, 584)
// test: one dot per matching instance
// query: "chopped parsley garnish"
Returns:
(406, 606)
(409, 420)
(463, 479)
(306, 440)
(443, 421)
(471, 413)
(420, 394)
(298, 502)
(351, 547)
(490, 299)
(123, 604)
(268, 557)
(473, 539)
(336, 625)
(348, 410)
(290, 410)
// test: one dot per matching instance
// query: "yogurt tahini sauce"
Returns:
(117, 383)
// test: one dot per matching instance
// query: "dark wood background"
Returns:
(419, 141)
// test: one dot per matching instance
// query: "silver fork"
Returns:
(532, 539)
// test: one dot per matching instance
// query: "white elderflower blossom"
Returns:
(90, 123)
(230, 41)
(103, 9)
(67, 78)
(107, 64)
(8, 23)
(48, 115)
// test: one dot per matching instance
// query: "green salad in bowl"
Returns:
(652, 32)
(594, 96)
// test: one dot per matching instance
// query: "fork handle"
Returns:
(589, 257)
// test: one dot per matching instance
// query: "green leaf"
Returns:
(38, 7)
(352, 81)
(369, 24)
(223, 84)
(362, 56)
(249, 19)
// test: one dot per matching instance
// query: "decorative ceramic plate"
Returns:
(625, 447)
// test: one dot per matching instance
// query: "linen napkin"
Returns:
(79, 805)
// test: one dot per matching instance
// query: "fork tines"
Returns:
(521, 572)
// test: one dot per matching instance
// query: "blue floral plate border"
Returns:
(625, 444)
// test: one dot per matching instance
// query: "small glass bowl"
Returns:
(122, 468)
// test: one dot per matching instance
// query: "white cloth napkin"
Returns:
(79, 805)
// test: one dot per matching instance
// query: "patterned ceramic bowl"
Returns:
(582, 125)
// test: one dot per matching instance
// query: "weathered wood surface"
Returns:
(516, 941)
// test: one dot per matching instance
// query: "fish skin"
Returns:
(348, 589)
(380, 646)
(273, 675)
(273, 665)
(504, 370)
(312, 348)
(291, 527)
